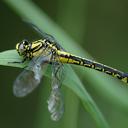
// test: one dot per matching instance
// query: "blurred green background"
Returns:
(99, 27)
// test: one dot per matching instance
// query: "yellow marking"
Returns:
(17, 45)
(81, 63)
(125, 79)
(92, 66)
(63, 53)
(116, 75)
(73, 61)
(87, 65)
(98, 68)
(37, 44)
(50, 45)
(108, 72)
(37, 53)
(63, 60)
(103, 70)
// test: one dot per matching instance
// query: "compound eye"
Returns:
(25, 42)
(22, 47)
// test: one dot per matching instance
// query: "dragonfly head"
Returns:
(24, 48)
(29, 49)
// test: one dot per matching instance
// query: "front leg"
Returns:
(18, 62)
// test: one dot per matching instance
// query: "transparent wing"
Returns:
(25, 83)
(55, 101)
(30, 78)
(45, 35)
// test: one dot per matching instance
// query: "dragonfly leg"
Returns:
(18, 62)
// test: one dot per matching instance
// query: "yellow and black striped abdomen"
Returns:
(65, 57)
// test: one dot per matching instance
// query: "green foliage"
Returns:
(29, 11)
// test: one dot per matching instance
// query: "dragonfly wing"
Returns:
(42, 33)
(55, 104)
(25, 83)
(30, 78)
(45, 35)
(55, 101)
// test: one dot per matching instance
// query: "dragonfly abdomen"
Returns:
(106, 69)
(72, 59)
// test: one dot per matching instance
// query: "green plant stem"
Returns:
(27, 10)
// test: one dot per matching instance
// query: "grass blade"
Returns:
(35, 15)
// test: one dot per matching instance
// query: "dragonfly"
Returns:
(47, 51)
